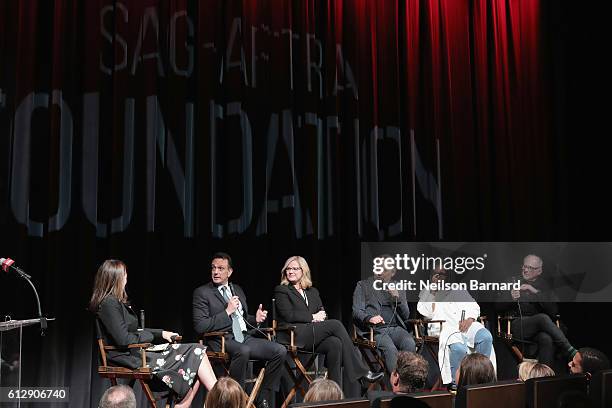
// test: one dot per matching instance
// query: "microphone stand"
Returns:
(43, 320)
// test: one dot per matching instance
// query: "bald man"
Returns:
(118, 396)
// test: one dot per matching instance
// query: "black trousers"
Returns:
(331, 339)
(541, 329)
(256, 349)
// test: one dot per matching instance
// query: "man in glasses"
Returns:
(387, 312)
(535, 309)
(221, 306)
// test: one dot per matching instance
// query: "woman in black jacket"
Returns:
(298, 303)
(177, 366)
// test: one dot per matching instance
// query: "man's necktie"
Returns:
(236, 330)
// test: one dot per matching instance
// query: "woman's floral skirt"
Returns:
(177, 366)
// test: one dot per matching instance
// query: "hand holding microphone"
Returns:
(464, 325)
(232, 305)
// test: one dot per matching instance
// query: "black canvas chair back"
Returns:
(299, 363)
(503, 394)
(436, 399)
(405, 401)
(600, 389)
(345, 403)
(552, 392)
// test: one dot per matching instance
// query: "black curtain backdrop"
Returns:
(160, 132)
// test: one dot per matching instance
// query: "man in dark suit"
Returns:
(221, 306)
(387, 312)
(408, 377)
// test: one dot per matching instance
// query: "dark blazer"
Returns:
(291, 309)
(118, 326)
(209, 310)
(531, 304)
(367, 303)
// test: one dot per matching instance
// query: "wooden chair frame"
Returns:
(142, 374)
(368, 348)
(302, 371)
(430, 343)
(511, 342)
(223, 358)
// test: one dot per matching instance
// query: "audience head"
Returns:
(110, 279)
(226, 393)
(524, 368)
(118, 396)
(221, 268)
(535, 370)
(475, 369)
(296, 271)
(589, 361)
(323, 389)
(410, 373)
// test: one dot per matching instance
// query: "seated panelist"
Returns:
(221, 305)
(299, 304)
(179, 367)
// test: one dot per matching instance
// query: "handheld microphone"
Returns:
(142, 320)
(241, 313)
(462, 315)
(9, 264)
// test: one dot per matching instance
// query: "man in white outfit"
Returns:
(458, 336)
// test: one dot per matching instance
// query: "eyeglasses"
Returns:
(531, 268)
(439, 275)
(291, 268)
(218, 268)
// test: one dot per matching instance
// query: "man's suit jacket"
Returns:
(118, 326)
(209, 311)
(368, 302)
(291, 308)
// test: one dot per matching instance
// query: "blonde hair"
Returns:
(109, 281)
(306, 280)
(323, 389)
(540, 370)
(226, 393)
(524, 368)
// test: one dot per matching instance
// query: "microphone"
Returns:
(142, 320)
(231, 286)
(462, 315)
(9, 264)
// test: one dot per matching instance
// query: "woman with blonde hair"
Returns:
(177, 366)
(226, 394)
(323, 389)
(299, 304)
(524, 368)
(540, 370)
